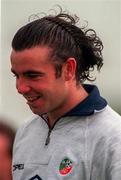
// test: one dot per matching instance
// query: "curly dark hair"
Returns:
(60, 33)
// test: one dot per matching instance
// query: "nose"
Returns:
(22, 86)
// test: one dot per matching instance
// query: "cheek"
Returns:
(50, 89)
(58, 94)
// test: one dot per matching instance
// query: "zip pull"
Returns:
(48, 137)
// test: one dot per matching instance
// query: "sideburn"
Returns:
(58, 70)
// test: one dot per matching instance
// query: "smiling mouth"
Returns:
(32, 99)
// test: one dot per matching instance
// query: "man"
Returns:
(74, 135)
(7, 135)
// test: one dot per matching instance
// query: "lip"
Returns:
(31, 99)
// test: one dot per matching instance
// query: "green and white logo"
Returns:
(65, 166)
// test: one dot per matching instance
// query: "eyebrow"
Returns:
(29, 72)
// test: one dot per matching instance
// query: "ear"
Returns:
(69, 69)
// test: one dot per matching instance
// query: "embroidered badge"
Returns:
(65, 166)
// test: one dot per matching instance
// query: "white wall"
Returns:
(103, 16)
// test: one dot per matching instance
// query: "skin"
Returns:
(5, 158)
(36, 81)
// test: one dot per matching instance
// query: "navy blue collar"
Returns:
(93, 103)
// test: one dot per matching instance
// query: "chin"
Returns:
(35, 111)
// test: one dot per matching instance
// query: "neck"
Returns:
(76, 96)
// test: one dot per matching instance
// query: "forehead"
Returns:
(31, 55)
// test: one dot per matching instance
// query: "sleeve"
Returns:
(113, 171)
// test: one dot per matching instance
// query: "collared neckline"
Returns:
(90, 105)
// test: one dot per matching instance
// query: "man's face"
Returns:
(36, 80)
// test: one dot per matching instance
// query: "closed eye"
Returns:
(33, 74)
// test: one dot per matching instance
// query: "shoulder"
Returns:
(30, 123)
(105, 124)
(107, 117)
